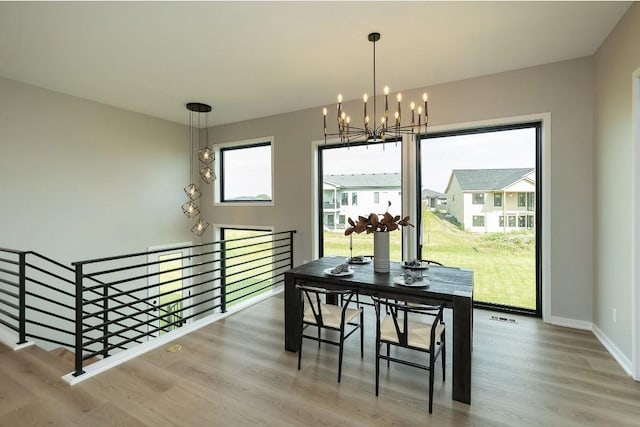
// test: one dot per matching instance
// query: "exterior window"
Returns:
(531, 201)
(354, 199)
(245, 173)
(522, 200)
(530, 222)
(342, 219)
(478, 198)
(344, 199)
(478, 220)
(376, 197)
(521, 221)
(512, 220)
(501, 221)
(330, 220)
(497, 199)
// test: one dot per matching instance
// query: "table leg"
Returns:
(462, 344)
(292, 319)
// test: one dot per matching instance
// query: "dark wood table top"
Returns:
(445, 282)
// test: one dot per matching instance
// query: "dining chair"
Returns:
(412, 326)
(321, 315)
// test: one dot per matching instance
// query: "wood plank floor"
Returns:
(236, 372)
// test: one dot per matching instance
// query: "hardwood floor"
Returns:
(236, 372)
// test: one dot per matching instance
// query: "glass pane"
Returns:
(170, 310)
(246, 174)
(459, 229)
(248, 264)
(371, 174)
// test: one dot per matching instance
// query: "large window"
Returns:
(368, 178)
(498, 239)
(245, 173)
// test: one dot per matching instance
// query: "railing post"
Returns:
(223, 274)
(105, 320)
(79, 322)
(291, 248)
(22, 299)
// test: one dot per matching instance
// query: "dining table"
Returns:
(446, 285)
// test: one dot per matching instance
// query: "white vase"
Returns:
(381, 252)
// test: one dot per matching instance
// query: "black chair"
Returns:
(341, 317)
(413, 326)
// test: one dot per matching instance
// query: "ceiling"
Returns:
(256, 59)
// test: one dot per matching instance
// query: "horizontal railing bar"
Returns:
(9, 304)
(10, 315)
(7, 282)
(272, 256)
(152, 307)
(109, 348)
(56, 315)
(248, 294)
(255, 275)
(12, 251)
(48, 326)
(10, 326)
(250, 285)
(48, 273)
(153, 318)
(9, 293)
(270, 248)
(11, 272)
(53, 288)
(50, 300)
(137, 254)
(51, 340)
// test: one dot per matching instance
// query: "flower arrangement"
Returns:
(375, 223)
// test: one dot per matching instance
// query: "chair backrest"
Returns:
(401, 311)
(432, 262)
(311, 295)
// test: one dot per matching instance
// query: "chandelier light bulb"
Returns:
(339, 97)
(399, 97)
(413, 106)
(425, 97)
(386, 90)
(324, 111)
(365, 97)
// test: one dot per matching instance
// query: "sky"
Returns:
(505, 149)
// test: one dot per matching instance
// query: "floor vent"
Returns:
(504, 319)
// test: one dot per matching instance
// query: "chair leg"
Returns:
(319, 336)
(340, 353)
(362, 335)
(388, 352)
(444, 357)
(300, 351)
(377, 366)
(431, 366)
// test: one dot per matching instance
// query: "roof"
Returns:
(364, 180)
(487, 179)
(427, 193)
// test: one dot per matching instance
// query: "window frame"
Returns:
(497, 200)
(218, 187)
(477, 194)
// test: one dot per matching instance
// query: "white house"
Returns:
(351, 195)
(493, 200)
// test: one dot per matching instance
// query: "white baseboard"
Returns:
(622, 360)
(10, 339)
(119, 358)
(570, 323)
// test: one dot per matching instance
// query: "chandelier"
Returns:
(206, 157)
(387, 128)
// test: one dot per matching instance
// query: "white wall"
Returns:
(615, 61)
(563, 89)
(80, 180)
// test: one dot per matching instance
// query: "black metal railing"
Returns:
(101, 306)
(115, 310)
(37, 297)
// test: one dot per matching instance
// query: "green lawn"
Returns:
(503, 264)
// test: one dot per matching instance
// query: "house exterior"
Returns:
(433, 199)
(493, 200)
(345, 196)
